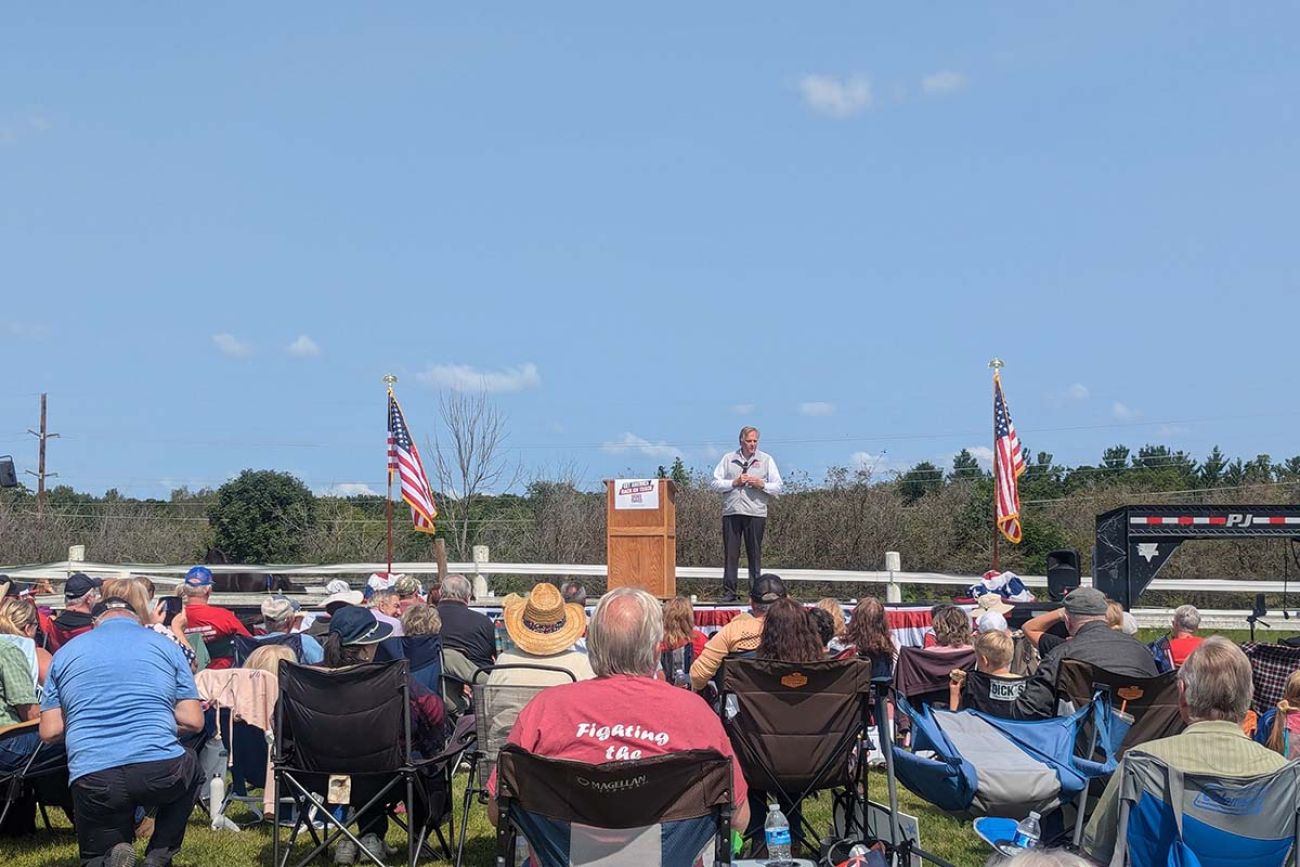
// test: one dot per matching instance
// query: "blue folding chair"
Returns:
(1170, 817)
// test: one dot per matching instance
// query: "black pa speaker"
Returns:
(1062, 572)
(8, 478)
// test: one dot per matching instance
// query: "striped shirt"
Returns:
(1208, 747)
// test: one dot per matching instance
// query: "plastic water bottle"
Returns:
(777, 832)
(1027, 833)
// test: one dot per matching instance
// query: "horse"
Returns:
(244, 582)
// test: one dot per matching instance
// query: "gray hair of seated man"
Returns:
(1216, 681)
(624, 634)
(1187, 618)
(457, 588)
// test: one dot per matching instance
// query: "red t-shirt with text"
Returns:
(217, 627)
(620, 718)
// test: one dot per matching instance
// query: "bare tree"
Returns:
(469, 462)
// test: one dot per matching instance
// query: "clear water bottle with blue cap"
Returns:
(776, 830)
(1028, 833)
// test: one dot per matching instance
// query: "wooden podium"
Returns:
(641, 541)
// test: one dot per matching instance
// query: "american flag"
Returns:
(404, 459)
(1008, 464)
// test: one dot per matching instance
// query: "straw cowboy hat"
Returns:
(543, 624)
(992, 602)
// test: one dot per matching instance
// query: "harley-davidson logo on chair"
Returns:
(795, 680)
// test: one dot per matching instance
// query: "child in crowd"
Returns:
(995, 693)
(1279, 728)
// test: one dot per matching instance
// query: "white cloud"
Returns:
(1122, 412)
(23, 330)
(983, 455)
(816, 407)
(13, 130)
(232, 346)
(836, 97)
(742, 408)
(867, 461)
(939, 83)
(1172, 430)
(634, 444)
(1078, 391)
(348, 489)
(462, 377)
(303, 347)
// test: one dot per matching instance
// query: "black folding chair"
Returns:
(663, 810)
(796, 727)
(347, 732)
(496, 707)
(14, 784)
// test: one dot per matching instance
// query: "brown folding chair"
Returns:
(797, 729)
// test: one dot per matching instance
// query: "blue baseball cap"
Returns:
(199, 576)
(79, 584)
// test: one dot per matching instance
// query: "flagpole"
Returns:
(389, 379)
(996, 364)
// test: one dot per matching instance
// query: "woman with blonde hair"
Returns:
(1279, 727)
(682, 643)
(18, 617)
(267, 658)
(138, 591)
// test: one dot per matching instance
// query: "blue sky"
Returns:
(642, 228)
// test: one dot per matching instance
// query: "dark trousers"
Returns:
(758, 818)
(734, 528)
(104, 803)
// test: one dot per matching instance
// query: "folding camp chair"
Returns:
(496, 706)
(44, 762)
(1167, 816)
(423, 654)
(1270, 666)
(244, 645)
(347, 732)
(921, 673)
(795, 727)
(245, 739)
(457, 672)
(1147, 706)
(663, 810)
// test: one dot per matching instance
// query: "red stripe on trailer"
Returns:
(1218, 520)
(1185, 520)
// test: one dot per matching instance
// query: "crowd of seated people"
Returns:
(120, 706)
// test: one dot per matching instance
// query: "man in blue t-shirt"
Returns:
(119, 696)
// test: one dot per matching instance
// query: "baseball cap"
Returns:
(767, 588)
(356, 625)
(79, 584)
(278, 608)
(1086, 602)
(112, 603)
(407, 585)
(199, 576)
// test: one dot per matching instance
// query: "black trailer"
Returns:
(1133, 542)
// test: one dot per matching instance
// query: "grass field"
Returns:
(945, 836)
(949, 837)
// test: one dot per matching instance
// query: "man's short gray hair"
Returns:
(383, 595)
(457, 588)
(624, 634)
(185, 590)
(1216, 680)
(1187, 618)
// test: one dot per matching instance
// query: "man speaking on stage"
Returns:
(746, 478)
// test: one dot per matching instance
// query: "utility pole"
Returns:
(40, 465)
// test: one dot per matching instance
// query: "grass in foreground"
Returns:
(944, 835)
